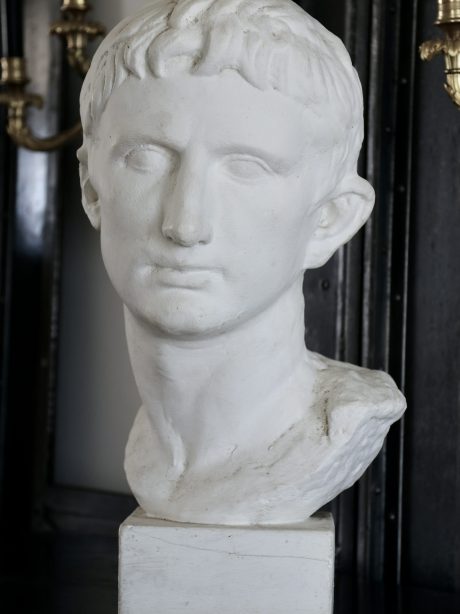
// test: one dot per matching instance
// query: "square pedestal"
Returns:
(168, 567)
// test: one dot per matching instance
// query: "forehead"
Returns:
(220, 111)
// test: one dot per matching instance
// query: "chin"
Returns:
(186, 326)
(185, 316)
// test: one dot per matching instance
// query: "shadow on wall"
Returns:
(110, 12)
(96, 398)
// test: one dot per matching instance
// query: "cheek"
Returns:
(130, 202)
(124, 255)
(125, 226)
(267, 228)
(275, 212)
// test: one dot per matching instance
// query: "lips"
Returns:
(183, 268)
(183, 276)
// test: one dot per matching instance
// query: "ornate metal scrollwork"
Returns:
(77, 33)
(449, 22)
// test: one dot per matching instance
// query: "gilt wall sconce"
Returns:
(449, 22)
(76, 33)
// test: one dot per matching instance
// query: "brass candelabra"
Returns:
(76, 33)
(449, 22)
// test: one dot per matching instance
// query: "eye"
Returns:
(150, 159)
(247, 168)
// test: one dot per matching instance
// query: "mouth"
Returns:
(183, 276)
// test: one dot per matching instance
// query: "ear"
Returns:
(90, 199)
(340, 218)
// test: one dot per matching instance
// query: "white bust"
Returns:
(221, 140)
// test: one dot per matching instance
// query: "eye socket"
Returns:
(247, 168)
(152, 159)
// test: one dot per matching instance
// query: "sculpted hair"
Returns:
(271, 45)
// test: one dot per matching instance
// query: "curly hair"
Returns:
(272, 44)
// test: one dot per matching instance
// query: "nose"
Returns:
(186, 217)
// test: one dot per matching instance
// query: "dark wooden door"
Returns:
(391, 300)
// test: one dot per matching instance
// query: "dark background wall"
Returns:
(432, 489)
(411, 316)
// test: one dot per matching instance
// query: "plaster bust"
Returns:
(219, 162)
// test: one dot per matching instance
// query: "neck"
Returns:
(207, 397)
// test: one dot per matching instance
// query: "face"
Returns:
(208, 191)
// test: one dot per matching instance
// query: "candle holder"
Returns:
(449, 22)
(77, 33)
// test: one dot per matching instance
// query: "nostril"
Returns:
(183, 235)
(186, 234)
(167, 232)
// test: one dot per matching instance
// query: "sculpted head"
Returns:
(219, 161)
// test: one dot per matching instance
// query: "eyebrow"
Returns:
(122, 143)
(278, 163)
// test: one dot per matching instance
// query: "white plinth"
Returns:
(167, 567)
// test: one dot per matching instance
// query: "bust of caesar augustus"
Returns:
(219, 162)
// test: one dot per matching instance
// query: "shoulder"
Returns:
(352, 396)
